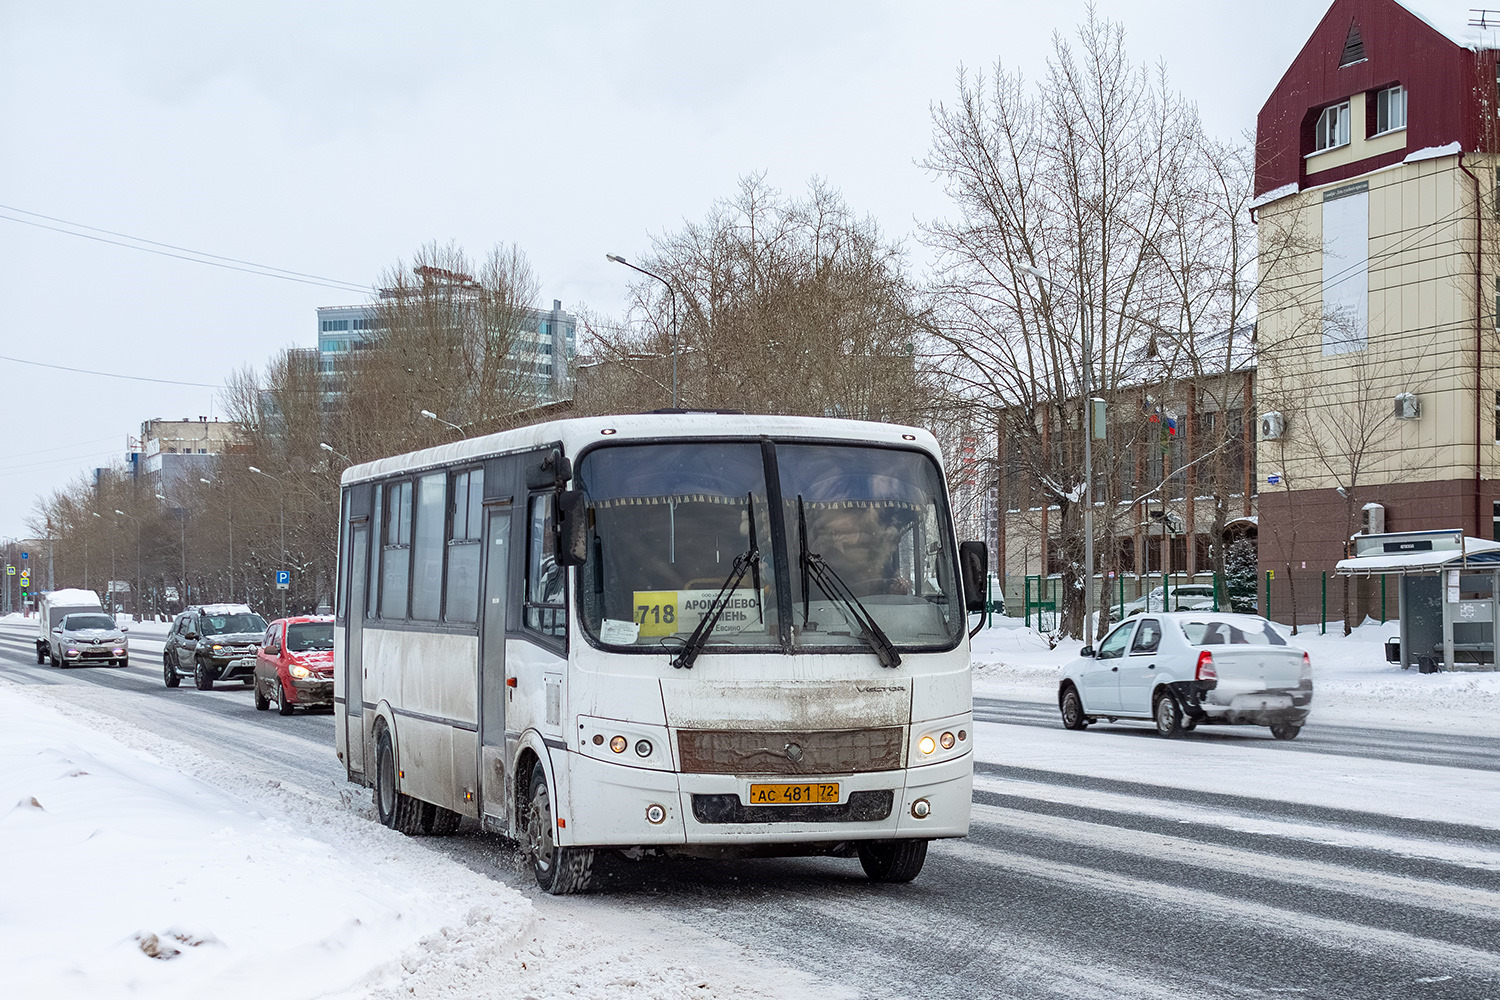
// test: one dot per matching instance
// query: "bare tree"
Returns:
(1080, 179)
(785, 305)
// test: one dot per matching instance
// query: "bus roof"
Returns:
(575, 432)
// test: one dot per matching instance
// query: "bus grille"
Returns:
(862, 807)
(745, 752)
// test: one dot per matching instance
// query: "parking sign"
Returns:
(283, 579)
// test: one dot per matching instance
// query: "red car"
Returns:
(295, 664)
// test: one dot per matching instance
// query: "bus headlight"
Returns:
(643, 748)
(926, 744)
(618, 743)
(655, 814)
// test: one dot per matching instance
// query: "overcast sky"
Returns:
(334, 138)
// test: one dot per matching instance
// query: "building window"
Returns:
(1333, 127)
(1390, 109)
(1495, 521)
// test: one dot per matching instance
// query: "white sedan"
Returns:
(1189, 668)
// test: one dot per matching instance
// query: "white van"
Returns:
(50, 611)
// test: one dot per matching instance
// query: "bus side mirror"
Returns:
(572, 528)
(974, 566)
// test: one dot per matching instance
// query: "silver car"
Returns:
(1190, 668)
(90, 637)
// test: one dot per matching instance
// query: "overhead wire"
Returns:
(184, 253)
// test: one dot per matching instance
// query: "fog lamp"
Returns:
(947, 741)
(656, 814)
(921, 809)
(926, 745)
(617, 744)
(643, 748)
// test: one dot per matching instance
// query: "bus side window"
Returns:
(545, 580)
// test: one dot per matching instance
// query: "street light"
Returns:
(210, 482)
(1043, 278)
(430, 416)
(329, 448)
(181, 544)
(672, 293)
(137, 594)
(281, 500)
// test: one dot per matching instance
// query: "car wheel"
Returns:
(892, 860)
(261, 702)
(41, 655)
(123, 661)
(1168, 715)
(1072, 710)
(558, 870)
(169, 674)
(56, 662)
(397, 811)
(202, 679)
(284, 705)
(1285, 730)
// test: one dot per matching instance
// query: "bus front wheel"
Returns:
(892, 860)
(558, 870)
(397, 811)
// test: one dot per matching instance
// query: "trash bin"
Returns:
(1428, 665)
(1393, 650)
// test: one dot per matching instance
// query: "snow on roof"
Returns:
(1453, 21)
(1421, 562)
(225, 609)
(1275, 194)
(71, 595)
(1434, 152)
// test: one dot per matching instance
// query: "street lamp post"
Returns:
(181, 546)
(672, 294)
(338, 454)
(230, 497)
(137, 596)
(430, 416)
(281, 500)
(1088, 456)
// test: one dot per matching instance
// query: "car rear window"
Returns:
(1220, 632)
(304, 636)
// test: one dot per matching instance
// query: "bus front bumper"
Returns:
(618, 806)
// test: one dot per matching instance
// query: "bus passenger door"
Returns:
(354, 688)
(492, 690)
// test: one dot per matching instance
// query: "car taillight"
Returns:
(1306, 667)
(1206, 671)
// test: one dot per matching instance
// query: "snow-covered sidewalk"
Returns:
(127, 878)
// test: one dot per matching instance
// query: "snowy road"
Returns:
(1351, 863)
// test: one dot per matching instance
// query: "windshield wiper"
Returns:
(833, 585)
(747, 561)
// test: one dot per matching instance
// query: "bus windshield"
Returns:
(844, 533)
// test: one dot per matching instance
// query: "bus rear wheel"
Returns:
(892, 860)
(559, 870)
(397, 811)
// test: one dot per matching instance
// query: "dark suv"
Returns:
(212, 642)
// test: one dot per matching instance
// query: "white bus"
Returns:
(696, 633)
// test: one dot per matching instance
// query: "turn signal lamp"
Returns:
(947, 741)
(618, 743)
(1206, 670)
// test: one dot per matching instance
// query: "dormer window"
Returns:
(1390, 109)
(1333, 127)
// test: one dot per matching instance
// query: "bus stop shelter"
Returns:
(1447, 586)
